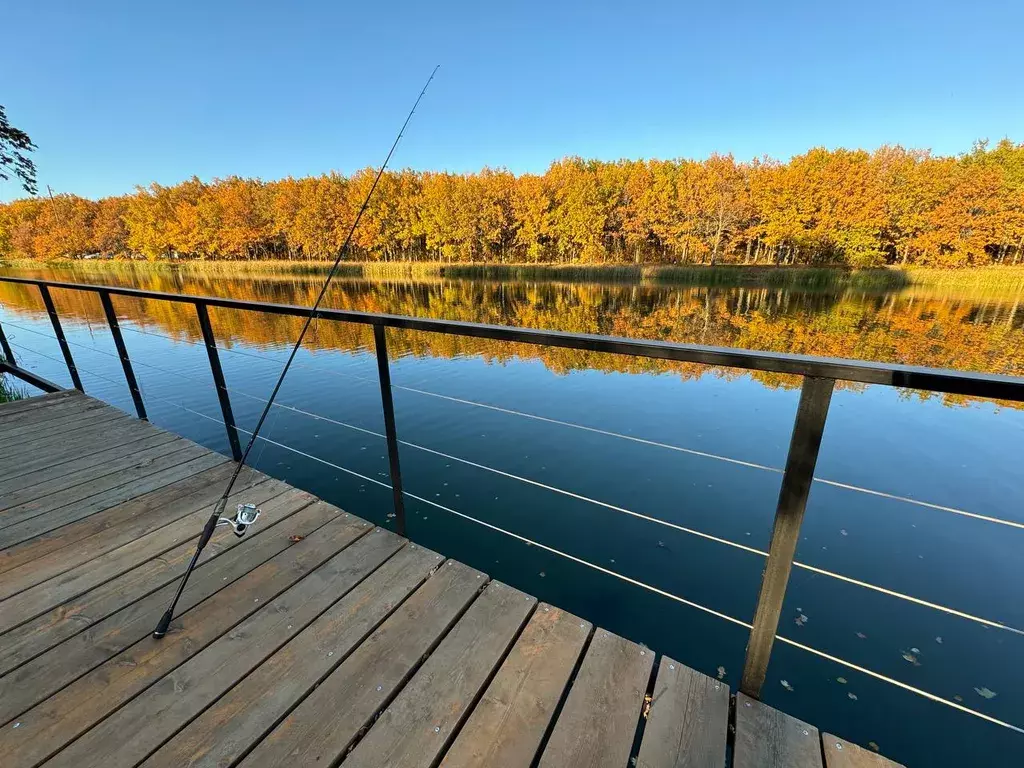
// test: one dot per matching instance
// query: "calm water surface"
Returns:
(599, 437)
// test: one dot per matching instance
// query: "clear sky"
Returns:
(123, 93)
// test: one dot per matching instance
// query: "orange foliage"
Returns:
(839, 207)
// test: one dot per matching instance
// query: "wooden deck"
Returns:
(316, 639)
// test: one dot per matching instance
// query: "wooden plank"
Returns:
(16, 438)
(289, 675)
(840, 753)
(220, 737)
(366, 681)
(598, 723)
(168, 705)
(37, 636)
(81, 541)
(62, 664)
(62, 491)
(688, 721)
(41, 407)
(68, 572)
(508, 724)
(166, 470)
(67, 714)
(46, 408)
(413, 731)
(70, 447)
(36, 402)
(95, 460)
(768, 738)
(52, 439)
(28, 494)
(36, 599)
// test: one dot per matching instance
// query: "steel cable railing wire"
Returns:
(580, 561)
(648, 518)
(643, 441)
(652, 443)
(623, 510)
(636, 582)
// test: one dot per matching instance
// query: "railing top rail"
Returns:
(865, 372)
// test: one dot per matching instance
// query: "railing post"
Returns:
(218, 379)
(384, 374)
(122, 352)
(6, 347)
(59, 332)
(789, 514)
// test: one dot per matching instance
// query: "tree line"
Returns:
(825, 207)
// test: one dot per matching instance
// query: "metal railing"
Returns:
(819, 379)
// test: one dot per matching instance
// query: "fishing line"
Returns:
(246, 514)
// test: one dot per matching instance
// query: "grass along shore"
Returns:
(1002, 278)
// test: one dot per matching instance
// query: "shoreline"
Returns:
(1009, 278)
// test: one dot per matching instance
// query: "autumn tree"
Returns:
(839, 207)
(15, 145)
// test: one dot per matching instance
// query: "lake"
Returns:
(664, 473)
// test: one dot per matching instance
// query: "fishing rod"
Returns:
(246, 514)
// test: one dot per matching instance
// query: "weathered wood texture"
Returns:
(688, 720)
(316, 639)
(369, 679)
(509, 722)
(239, 720)
(768, 738)
(598, 724)
(843, 754)
(413, 730)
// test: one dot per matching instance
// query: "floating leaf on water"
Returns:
(986, 692)
(542, 574)
(915, 650)
(938, 640)
(843, 531)
(911, 658)
(786, 685)
(873, 746)
(958, 697)
(721, 673)
(800, 620)
(852, 695)
(841, 680)
(862, 636)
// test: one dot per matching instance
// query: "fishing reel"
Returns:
(245, 515)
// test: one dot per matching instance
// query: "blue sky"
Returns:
(123, 93)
